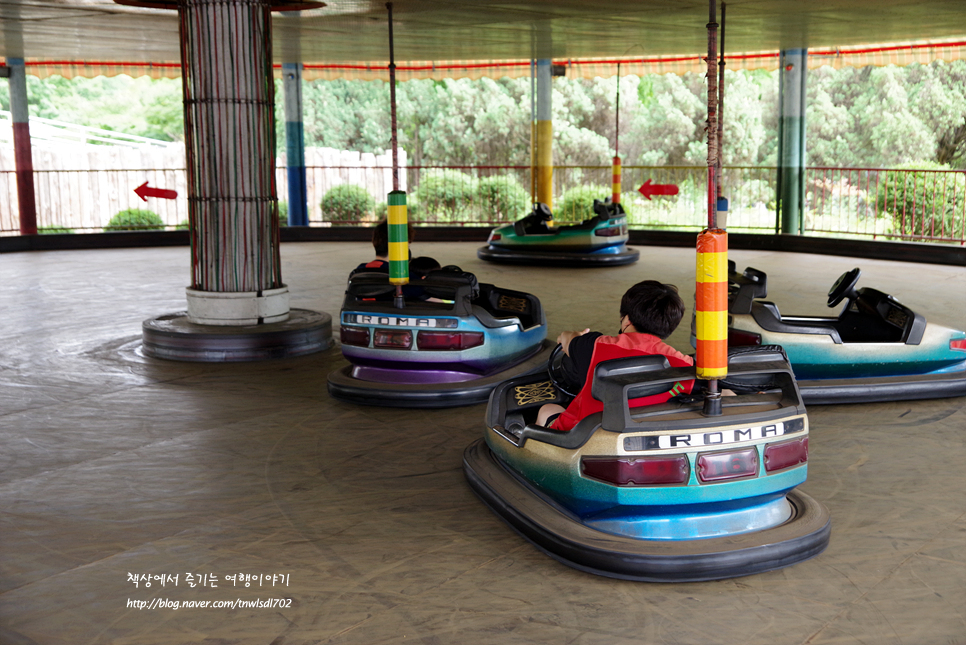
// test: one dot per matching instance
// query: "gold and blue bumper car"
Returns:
(875, 349)
(598, 241)
(450, 345)
(658, 493)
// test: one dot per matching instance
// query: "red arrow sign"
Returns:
(144, 192)
(649, 189)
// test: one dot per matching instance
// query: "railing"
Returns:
(899, 204)
(862, 203)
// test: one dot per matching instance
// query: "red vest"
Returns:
(608, 347)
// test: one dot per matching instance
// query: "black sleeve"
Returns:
(581, 350)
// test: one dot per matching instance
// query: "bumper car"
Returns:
(875, 349)
(659, 493)
(598, 241)
(451, 344)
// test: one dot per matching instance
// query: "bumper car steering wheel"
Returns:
(844, 287)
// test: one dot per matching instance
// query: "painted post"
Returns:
(711, 304)
(295, 144)
(616, 181)
(397, 220)
(791, 140)
(544, 133)
(711, 270)
(23, 157)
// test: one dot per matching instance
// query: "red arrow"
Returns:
(144, 192)
(649, 189)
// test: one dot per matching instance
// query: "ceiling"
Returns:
(451, 30)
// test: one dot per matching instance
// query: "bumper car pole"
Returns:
(397, 217)
(616, 178)
(711, 293)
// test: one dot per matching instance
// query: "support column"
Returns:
(544, 137)
(238, 306)
(226, 63)
(23, 157)
(298, 214)
(791, 140)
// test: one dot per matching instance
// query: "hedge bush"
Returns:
(135, 219)
(53, 230)
(447, 195)
(347, 203)
(412, 209)
(577, 203)
(922, 204)
(502, 198)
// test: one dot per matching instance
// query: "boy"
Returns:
(418, 267)
(649, 311)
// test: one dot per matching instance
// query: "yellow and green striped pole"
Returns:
(398, 238)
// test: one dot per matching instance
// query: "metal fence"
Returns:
(862, 203)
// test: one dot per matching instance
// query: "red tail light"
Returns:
(958, 344)
(393, 339)
(737, 338)
(358, 336)
(640, 472)
(786, 455)
(495, 237)
(448, 340)
(721, 466)
(610, 231)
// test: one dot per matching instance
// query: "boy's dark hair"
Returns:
(380, 237)
(653, 308)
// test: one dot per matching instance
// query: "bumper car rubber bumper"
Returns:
(886, 388)
(343, 386)
(492, 253)
(562, 536)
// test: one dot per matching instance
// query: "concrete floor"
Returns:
(112, 464)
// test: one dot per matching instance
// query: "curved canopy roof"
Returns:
(353, 33)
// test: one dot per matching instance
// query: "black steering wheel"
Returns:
(844, 287)
(543, 212)
(556, 372)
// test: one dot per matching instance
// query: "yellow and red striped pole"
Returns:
(711, 304)
(616, 182)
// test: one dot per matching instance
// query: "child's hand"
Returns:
(566, 336)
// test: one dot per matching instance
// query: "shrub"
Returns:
(922, 202)
(135, 219)
(412, 209)
(283, 213)
(577, 203)
(502, 198)
(446, 195)
(53, 230)
(347, 203)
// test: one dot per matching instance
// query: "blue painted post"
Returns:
(298, 214)
(791, 140)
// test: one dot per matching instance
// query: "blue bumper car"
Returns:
(598, 241)
(875, 349)
(659, 493)
(451, 344)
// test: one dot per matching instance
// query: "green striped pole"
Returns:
(398, 244)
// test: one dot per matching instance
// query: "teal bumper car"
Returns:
(875, 349)
(452, 343)
(598, 241)
(659, 493)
